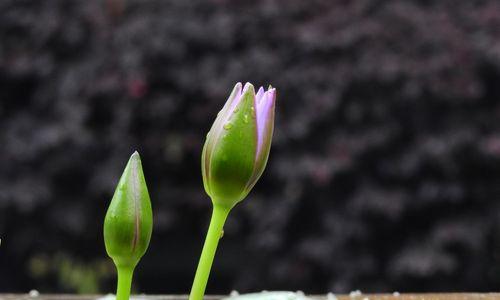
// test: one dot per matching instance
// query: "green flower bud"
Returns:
(129, 219)
(237, 146)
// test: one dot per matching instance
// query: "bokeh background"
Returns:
(385, 167)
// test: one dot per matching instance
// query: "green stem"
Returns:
(219, 215)
(124, 283)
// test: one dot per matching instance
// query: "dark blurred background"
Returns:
(384, 172)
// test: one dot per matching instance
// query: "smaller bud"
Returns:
(128, 224)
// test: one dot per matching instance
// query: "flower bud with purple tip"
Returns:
(237, 146)
(234, 156)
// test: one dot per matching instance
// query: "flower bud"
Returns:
(129, 220)
(237, 146)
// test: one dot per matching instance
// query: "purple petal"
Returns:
(263, 109)
(235, 94)
(259, 95)
(237, 100)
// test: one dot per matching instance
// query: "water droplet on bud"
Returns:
(245, 118)
(228, 126)
(252, 112)
(236, 110)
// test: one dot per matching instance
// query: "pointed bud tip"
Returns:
(134, 161)
(248, 87)
(135, 155)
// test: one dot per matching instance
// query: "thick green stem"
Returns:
(124, 283)
(219, 215)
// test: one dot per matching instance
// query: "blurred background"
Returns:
(384, 172)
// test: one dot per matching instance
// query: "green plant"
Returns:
(128, 224)
(234, 157)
